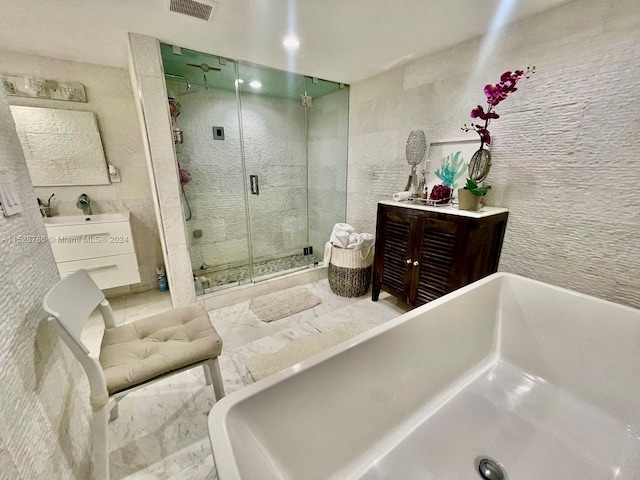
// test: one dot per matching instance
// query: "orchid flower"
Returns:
(495, 94)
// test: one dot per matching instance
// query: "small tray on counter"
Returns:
(432, 203)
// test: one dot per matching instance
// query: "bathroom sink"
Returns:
(81, 219)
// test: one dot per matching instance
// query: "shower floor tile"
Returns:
(240, 274)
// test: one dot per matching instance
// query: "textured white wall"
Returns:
(327, 133)
(111, 99)
(147, 80)
(565, 159)
(274, 146)
(44, 404)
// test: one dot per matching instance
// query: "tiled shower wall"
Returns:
(215, 193)
(565, 158)
(110, 98)
(274, 145)
(44, 428)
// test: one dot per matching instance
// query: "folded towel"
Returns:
(340, 234)
(400, 196)
(327, 253)
(339, 238)
(345, 227)
(355, 241)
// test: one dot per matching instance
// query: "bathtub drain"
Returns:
(490, 470)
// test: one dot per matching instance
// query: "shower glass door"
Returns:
(274, 139)
(264, 165)
(327, 145)
(202, 88)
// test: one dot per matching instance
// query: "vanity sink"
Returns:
(82, 219)
(101, 244)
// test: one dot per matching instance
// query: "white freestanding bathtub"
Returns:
(542, 380)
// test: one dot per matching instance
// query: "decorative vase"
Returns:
(467, 200)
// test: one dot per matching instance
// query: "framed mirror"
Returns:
(61, 147)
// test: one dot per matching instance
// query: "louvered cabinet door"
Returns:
(423, 254)
(394, 246)
(433, 275)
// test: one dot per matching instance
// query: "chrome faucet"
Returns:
(84, 202)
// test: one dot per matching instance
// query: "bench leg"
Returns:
(207, 374)
(100, 446)
(215, 377)
(114, 413)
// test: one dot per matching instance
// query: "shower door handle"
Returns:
(253, 180)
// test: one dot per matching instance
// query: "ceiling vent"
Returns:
(203, 9)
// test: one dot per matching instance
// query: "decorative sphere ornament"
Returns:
(415, 151)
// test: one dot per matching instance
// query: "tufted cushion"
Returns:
(134, 353)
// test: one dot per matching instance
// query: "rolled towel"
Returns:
(344, 227)
(340, 234)
(400, 196)
(339, 238)
(355, 241)
(367, 239)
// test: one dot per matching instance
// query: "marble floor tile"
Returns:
(361, 313)
(159, 426)
(225, 313)
(148, 298)
(239, 330)
(231, 378)
(157, 303)
(161, 432)
(272, 343)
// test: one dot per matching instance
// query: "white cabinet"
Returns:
(100, 244)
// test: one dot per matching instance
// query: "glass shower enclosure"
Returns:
(262, 156)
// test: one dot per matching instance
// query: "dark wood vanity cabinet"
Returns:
(423, 254)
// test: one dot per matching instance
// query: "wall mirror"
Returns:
(61, 147)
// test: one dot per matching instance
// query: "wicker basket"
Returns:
(349, 271)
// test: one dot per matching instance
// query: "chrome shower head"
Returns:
(204, 67)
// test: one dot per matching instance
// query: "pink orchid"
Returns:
(485, 136)
(479, 112)
(476, 112)
(495, 94)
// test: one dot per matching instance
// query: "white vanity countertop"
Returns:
(449, 209)
(86, 219)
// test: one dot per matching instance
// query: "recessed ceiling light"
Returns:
(255, 84)
(291, 42)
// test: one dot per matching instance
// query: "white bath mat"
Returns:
(300, 349)
(283, 304)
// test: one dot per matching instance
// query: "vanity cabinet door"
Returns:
(424, 254)
(395, 245)
(435, 252)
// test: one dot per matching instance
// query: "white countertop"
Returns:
(449, 209)
(86, 219)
